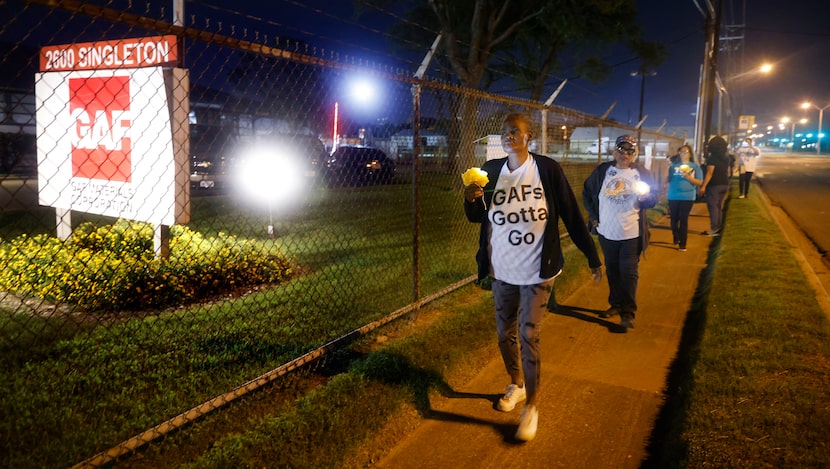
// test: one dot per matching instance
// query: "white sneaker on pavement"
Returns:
(512, 396)
(528, 423)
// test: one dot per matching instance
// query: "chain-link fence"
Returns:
(202, 226)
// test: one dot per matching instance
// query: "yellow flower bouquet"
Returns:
(475, 176)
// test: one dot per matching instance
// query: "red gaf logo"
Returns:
(100, 112)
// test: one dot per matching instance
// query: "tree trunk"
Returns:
(468, 134)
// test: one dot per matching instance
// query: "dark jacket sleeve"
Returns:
(590, 192)
(476, 212)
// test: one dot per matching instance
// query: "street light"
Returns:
(787, 120)
(808, 105)
(723, 85)
(764, 69)
(801, 121)
(362, 93)
(254, 174)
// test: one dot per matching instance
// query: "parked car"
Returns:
(305, 152)
(595, 147)
(215, 158)
(359, 165)
(211, 150)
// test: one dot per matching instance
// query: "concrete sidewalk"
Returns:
(602, 388)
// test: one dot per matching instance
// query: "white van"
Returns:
(594, 147)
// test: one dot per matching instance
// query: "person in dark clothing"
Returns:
(716, 183)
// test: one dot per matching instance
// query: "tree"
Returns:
(573, 32)
(523, 40)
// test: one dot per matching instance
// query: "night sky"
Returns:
(794, 35)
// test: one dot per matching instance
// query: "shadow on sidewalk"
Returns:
(578, 312)
(506, 430)
(666, 447)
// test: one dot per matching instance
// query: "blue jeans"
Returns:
(715, 195)
(519, 313)
(622, 262)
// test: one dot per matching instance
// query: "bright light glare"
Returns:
(269, 176)
(766, 68)
(363, 90)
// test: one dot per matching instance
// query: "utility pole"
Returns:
(706, 88)
(713, 68)
(642, 72)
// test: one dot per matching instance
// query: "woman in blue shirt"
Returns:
(684, 177)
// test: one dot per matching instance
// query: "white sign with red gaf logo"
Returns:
(107, 144)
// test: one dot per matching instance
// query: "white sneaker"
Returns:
(528, 424)
(512, 396)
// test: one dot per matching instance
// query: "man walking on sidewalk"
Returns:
(747, 155)
(519, 208)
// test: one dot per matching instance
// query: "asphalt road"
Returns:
(800, 185)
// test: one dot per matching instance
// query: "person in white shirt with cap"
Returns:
(616, 196)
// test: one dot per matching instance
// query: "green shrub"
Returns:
(113, 267)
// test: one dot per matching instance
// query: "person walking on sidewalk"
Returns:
(684, 177)
(616, 196)
(519, 208)
(746, 157)
(716, 183)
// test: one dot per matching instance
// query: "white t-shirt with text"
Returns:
(747, 157)
(518, 214)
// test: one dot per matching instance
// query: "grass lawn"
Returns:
(751, 387)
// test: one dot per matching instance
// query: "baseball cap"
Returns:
(626, 139)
